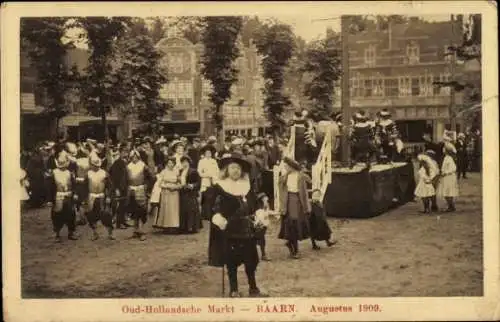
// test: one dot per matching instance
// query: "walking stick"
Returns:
(223, 282)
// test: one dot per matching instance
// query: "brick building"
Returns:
(396, 68)
(188, 91)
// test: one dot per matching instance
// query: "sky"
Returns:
(311, 28)
(307, 27)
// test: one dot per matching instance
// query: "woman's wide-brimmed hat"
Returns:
(261, 196)
(176, 143)
(71, 148)
(292, 163)
(360, 116)
(161, 140)
(208, 147)
(235, 157)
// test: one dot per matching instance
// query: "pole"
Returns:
(453, 120)
(346, 109)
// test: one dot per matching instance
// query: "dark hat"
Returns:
(235, 157)
(207, 147)
(292, 163)
(197, 140)
(147, 139)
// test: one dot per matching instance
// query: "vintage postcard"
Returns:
(250, 161)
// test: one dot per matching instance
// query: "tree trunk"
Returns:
(104, 126)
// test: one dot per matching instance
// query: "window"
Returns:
(413, 53)
(426, 86)
(175, 63)
(370, 55)
(444, 77)
(356, 84)
(392, 85)
(404, 85)
(368, 90)
(206, 89)
(415, 86)
(378, 85)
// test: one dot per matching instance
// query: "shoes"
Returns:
(72, 237)
(111, 237)
(234, 294)
(296, 256)
(316, 247)
(142, 238)
(330, 243)
(257, 293)
(266, 258)
(95, 236)
(58, 239)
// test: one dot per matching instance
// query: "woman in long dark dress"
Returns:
(320, 231)
(190, 217)
(232, 239)
(295, 206)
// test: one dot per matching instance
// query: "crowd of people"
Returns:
(176, 185)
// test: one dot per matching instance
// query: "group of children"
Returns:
(437, 180)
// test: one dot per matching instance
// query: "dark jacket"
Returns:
(238, 212)
(119, 176)
(194, 154)
(274, 155)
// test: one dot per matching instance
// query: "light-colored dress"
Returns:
(425, 188)
(208, 169)
(168, 215)
(448, 183)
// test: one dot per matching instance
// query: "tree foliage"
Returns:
(141, 74)
(322, 62)
(219, 39)
(275, 43)
(41, 39)
(103, 83)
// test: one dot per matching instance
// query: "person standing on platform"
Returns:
(462, 159)
(139, 178)
(99, 197)
(190, 217)
(448, 185)
(320, 230)
(362, 138)
(208, 169)
(63, 184)
(425, 188)
(387, 132)
(295, 206)
(167, 216)
(232, 232)
(119, 181)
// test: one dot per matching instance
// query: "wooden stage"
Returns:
(357, 193)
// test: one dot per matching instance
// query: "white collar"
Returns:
(385, 122)
(235, 188)
(362, 124)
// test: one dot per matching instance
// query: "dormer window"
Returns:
(370, 55)
(413, 53)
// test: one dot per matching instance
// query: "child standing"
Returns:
(448, 184)
(425, 189)
(317, 222)
(262, 222)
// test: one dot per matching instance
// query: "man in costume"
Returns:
(99, 197)
(139, 177)
(62, 181)
(119, 181)
(362, 137)
(387, 134)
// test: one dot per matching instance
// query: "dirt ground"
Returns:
(400, 253)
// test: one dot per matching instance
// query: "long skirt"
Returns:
(448, 186)
(168, 211)
(190, 217)
(319, 227)
(294, 225)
